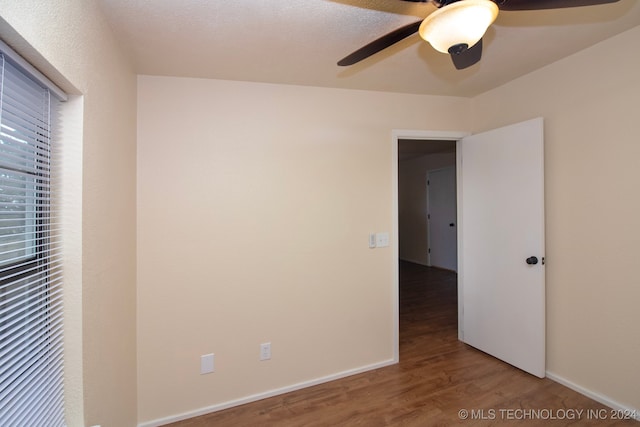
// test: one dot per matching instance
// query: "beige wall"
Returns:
(69, 41)
(254, 206)
(412, 203)
(254, 209)
(590, 102)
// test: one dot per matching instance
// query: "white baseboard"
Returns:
(595, 396)
(260, 396)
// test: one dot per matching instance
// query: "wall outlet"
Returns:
(207, 363)
(265, 351)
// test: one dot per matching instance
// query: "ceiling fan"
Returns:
(457, 27)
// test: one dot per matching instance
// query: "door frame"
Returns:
(426, 136)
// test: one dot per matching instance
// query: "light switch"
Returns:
(382, 240)
(372, 240)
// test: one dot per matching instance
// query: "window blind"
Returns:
(31, 324)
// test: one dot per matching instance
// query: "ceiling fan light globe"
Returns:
(462, 22)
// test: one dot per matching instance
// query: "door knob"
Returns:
(532, 260)
(452, 225)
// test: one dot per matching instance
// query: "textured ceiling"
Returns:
(300, 41)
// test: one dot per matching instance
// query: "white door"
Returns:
(442, 218)
(501, 222)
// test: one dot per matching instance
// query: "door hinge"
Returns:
(428, 216)
(429, 251)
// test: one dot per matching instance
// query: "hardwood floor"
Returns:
(437, 380)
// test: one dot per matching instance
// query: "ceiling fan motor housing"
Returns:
(457, 49)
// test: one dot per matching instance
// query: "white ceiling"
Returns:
(300, 41)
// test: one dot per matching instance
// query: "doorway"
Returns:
(417, 159)
(501, 286)
(417, 153)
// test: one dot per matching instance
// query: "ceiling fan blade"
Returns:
(468, 57)
(547, 4)
(380, 44)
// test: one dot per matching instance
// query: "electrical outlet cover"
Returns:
(265, 351)
(206, 363)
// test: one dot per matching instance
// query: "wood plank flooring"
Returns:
(437, 380)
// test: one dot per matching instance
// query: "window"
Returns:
(31, 340)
